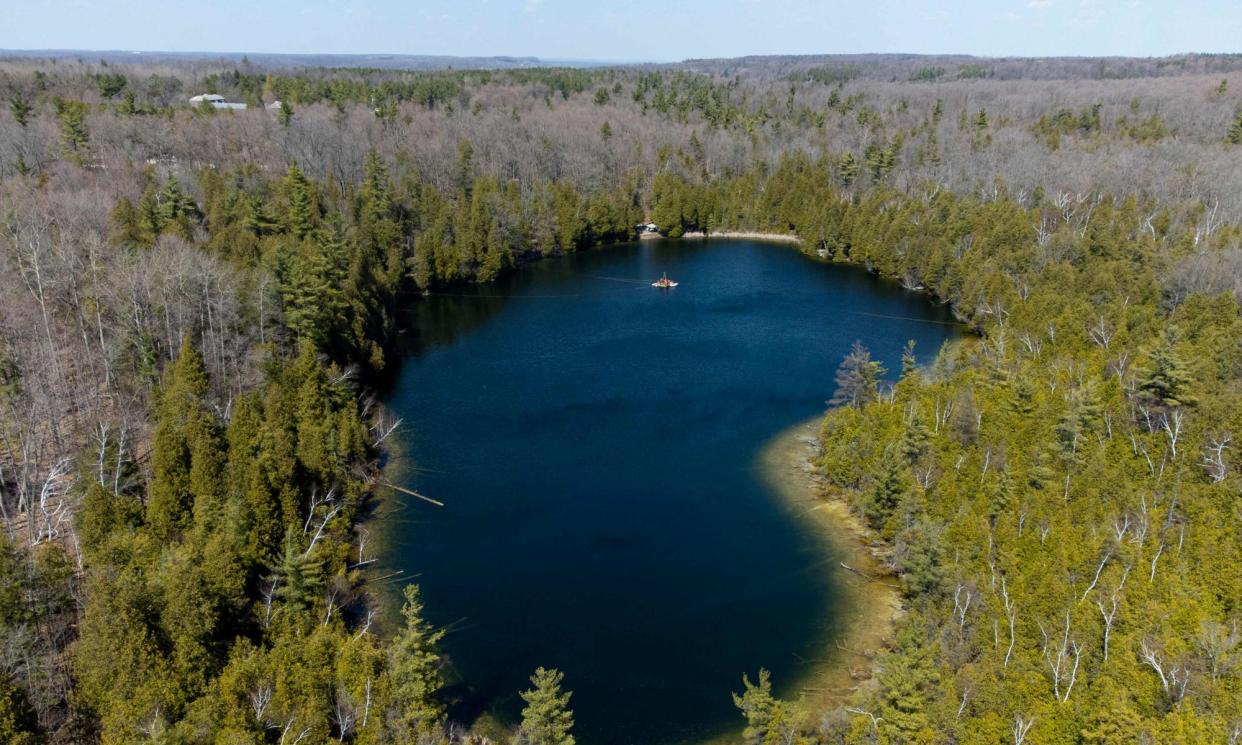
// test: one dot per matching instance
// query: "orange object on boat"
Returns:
(664, 282)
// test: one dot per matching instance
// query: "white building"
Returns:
(216, 100)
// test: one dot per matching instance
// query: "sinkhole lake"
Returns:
(594, 440)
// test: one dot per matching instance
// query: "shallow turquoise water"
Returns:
(594, 440)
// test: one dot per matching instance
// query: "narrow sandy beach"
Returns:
(872, 603)
(784, 237)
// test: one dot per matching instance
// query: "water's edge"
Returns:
(870, 609)
(874, 602)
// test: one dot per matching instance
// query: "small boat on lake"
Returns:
(664, 282)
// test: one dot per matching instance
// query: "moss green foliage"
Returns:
(1051, 490)
(1058, 494)
(221, 610)
(546, 719)
(71, 118)
(769, 720)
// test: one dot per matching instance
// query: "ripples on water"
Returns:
(594, 439)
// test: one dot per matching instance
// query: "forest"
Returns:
(200, 304)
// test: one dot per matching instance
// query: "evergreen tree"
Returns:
(103, 512)
(1165, 379)
(756, 704)
(71, 117)
(301, 209)
(127, 226)
(21, 109)
(980, 121)
(909, 362)
(1042, 473)
(915, 438)
(129, 104)
(847, 168)
(1022, 399)
(890, 487)
(19, 725)
(1079, 419)
(465, 166)
(907, 679)
(414, 667)
(284, 115)
(1234, 136)
(769, 720)
(546, 719)
(151, 215)
(183, 430)
(1114, 721)
(257, 216)
(177, 211)
(918, 558)
(110, 84)
(857, 378)
(299, 576)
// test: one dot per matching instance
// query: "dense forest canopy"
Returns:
(198, 302)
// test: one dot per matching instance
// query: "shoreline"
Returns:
(873, 603)
(752, 235)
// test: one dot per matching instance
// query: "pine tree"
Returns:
(1165, 380)
(299, 576)
(150, 213)
(1079, 419)
(177, 210)
(909, 362)
(756, 704)
(1022, 399)
(1234, 137)
(379, 234)
(21, 109)
(465, 166)
(857, 378)
(129, 104)
(71, 116)
(1042, 473)
(847, 168)
(980, 121)
(546, 720)
(918, 557)
(414, 667)
(915, 438)
(301, 210)
(890, 487)
(284, 115)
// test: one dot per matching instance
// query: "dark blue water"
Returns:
(594, 440)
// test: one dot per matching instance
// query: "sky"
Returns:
(628, 30)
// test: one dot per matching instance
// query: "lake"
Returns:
(594, 440)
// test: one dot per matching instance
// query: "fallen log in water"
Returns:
(413, 493)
